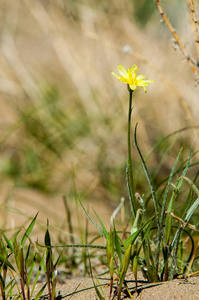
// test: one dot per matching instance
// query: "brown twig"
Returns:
(192, 62)
(194, 25)
(193, 227)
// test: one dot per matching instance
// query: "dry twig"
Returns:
(194, 25)
(192, 62)
(184, 224)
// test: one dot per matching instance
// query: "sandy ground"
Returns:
(78, 287)
(176, 289)
(81, 288)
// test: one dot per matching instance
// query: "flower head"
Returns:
(130, 77)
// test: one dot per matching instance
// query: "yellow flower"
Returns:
(130, 77)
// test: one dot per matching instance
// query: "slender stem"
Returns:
(130, 180)
(148, 176)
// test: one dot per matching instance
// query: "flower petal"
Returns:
(134, 68)
(142, 82)
(149, 81)
(140, 77)
(122, 70)
(113, 73)
(129, 76)
(144, 89)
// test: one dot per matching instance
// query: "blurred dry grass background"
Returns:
(63, 115)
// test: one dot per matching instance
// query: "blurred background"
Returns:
(63, 116)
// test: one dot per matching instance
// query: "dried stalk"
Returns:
(192, 62)
(184, 224)
(194, 25)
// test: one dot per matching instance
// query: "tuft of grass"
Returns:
(14, 260)
(155, 244)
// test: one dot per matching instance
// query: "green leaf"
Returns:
(98, 291)
(103, 227)
(191, 184)
(102, 233)
(118, 247)
(47, 238)
(7, 241)
(22, 267)
(31, 270)
(135, 268)
(125, 265)
(95, 286)
(174, 196)
(38, 273)
(168, 187)
(148, 176)
(28, 231)
(2, 247)
(131, 239)
(2, 287)
(191, 210)
(5, 261)
(186, 168)
(17, 255)
(40, 292)
(146, 234)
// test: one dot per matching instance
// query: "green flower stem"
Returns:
(130, 180)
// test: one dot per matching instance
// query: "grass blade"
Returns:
(168, 188)
(148, 177)
(131, 239)
(191, 210)
(95, 286)
(40, 292)
(9, 244)
(6, 262)
(28, 231)
(103, 227)
(101, 232)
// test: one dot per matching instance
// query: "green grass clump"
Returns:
(160, 225)
(156, 243)
(18, 263)
(14, 261)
